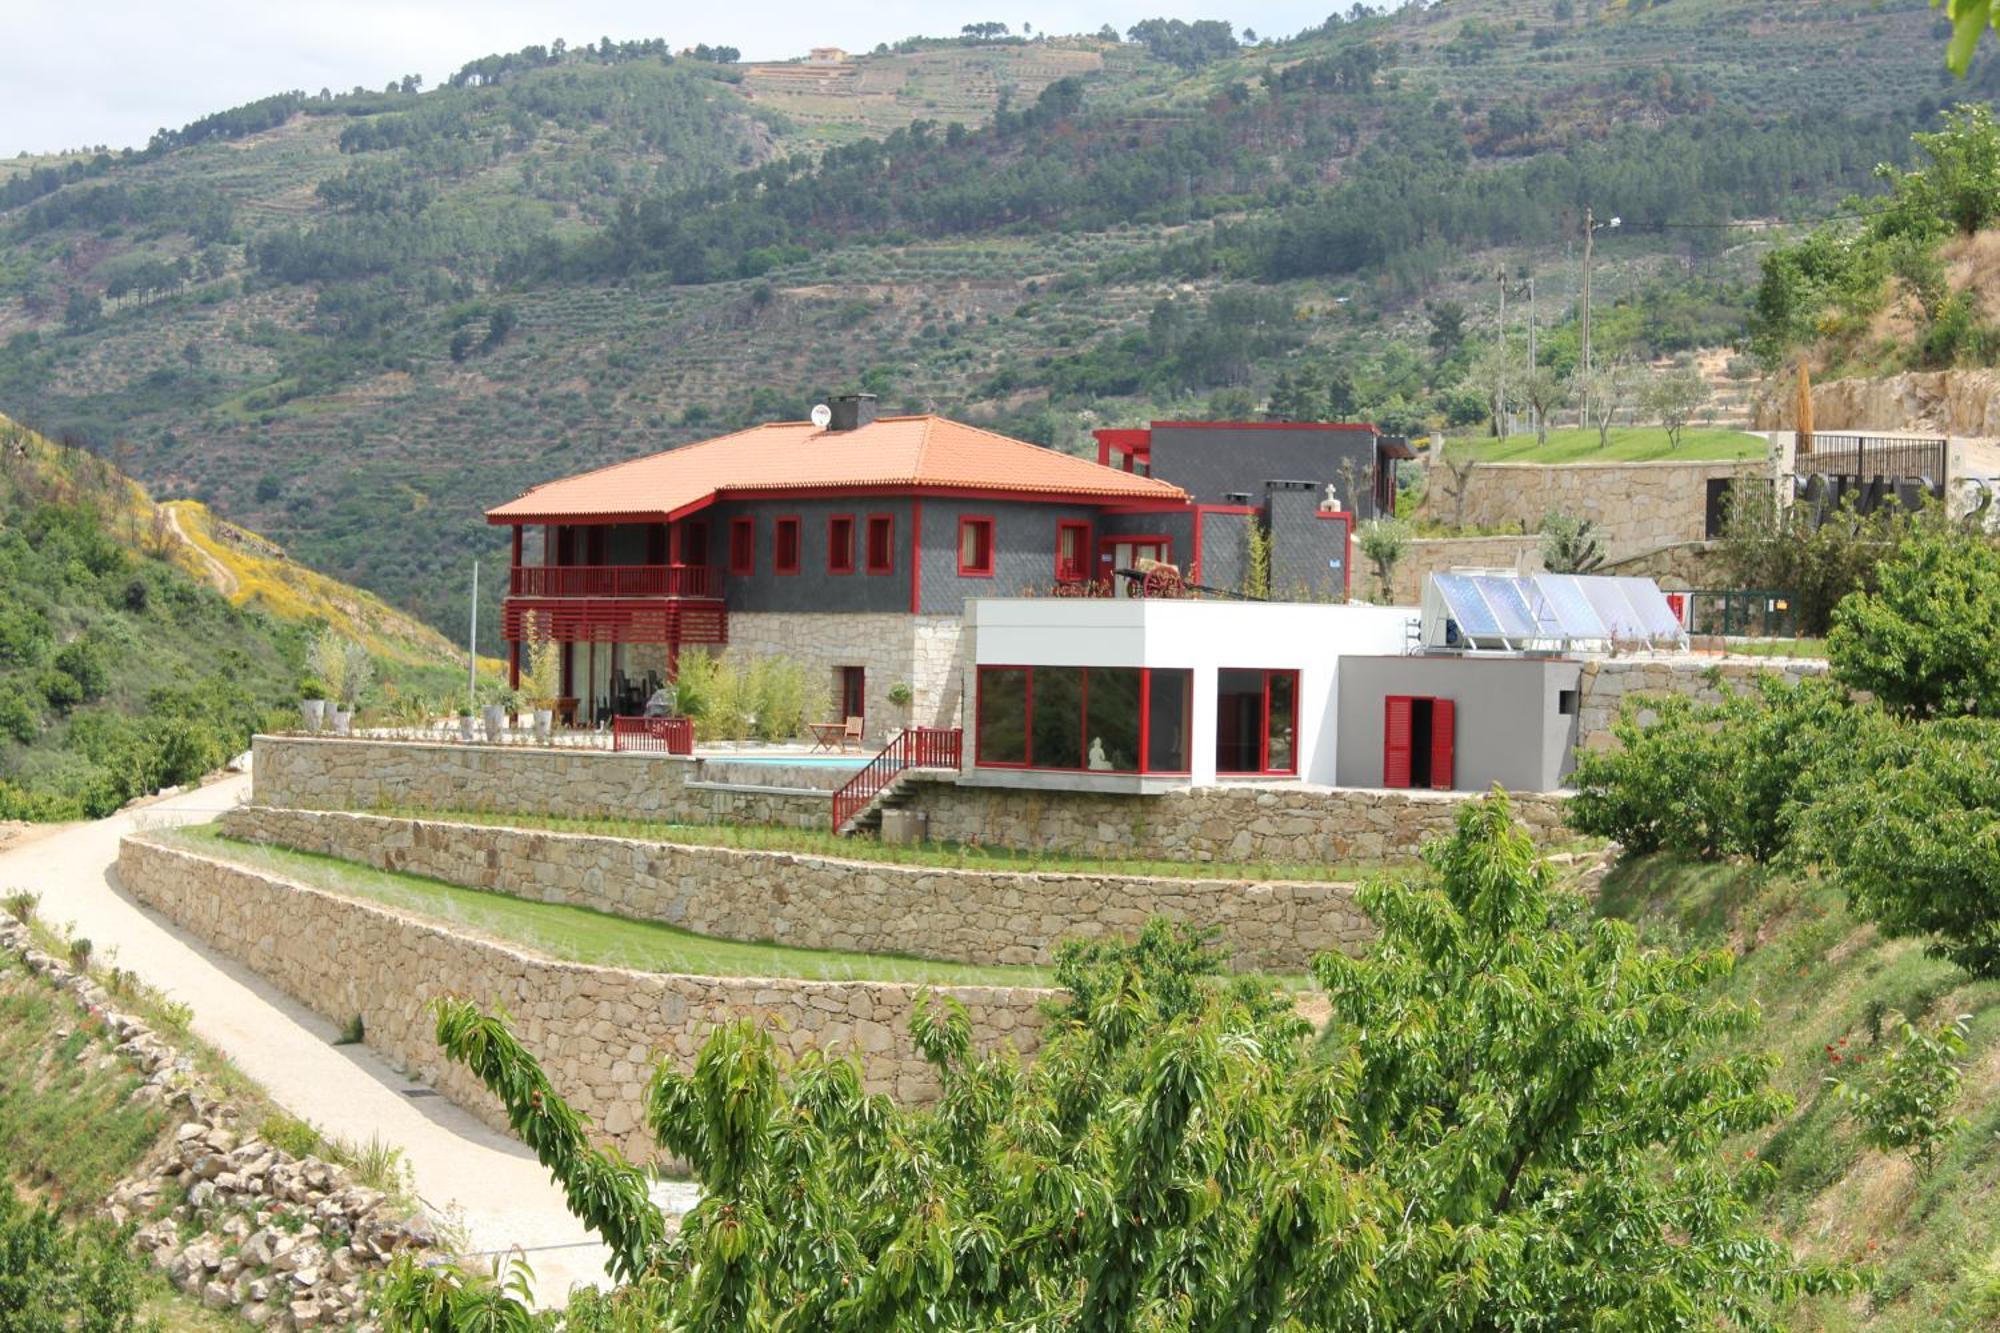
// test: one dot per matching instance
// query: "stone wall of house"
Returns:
(596, 1030)
(1287, 822)
(356, 774)
(814, 902)
(1608, 682)
(1637, 506)
(883, 644)
(937, 674)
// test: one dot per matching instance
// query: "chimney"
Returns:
(851, 411)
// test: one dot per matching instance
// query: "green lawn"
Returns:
(1638, 444)
(1778, 647)
(577, 934)
(948, 855)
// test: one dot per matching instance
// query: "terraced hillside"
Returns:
(353, 321)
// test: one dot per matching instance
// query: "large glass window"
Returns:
(1096, 719)
(1256, 721)
(1003, 716)
(1055, 720)
(1169, 719)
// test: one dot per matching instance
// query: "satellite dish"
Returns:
(821, 415)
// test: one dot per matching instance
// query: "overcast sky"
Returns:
(87, 72)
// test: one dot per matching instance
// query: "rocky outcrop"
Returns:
(239, 1224)
(1948, 402)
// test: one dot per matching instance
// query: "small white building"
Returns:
(1149, 694)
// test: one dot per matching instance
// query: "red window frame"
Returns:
(886, 525)
(982, 566)
(743, 546)
(1145, 768)
(840, 544)
(1079, 572)
(1264, 769)
(785, 533)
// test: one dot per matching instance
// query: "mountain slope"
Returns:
(354, 321)
(123, 667)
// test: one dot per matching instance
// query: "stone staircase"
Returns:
(886, 782)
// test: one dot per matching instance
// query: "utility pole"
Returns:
(472, 646)
(1590, 226)
(1500, 422)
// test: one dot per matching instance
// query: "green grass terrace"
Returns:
(1637, 444)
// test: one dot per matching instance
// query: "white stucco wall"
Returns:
(1200, 636)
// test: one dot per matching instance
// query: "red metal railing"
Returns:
(613, 581)
(613, 620)
(917, 747)
(669, 735)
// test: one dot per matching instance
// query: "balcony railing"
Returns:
(614, 581)
(668, 735)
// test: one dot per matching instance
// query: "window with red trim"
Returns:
(1072, 552)
(1257, 722)
(975, 547)
(785, 546)
(881, 543)
(742, 545)
(1084, 719)
(840, 544)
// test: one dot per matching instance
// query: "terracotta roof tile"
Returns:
(889, 453)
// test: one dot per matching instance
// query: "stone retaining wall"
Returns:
(597, 1030)
(1243, 823)
(973, 916)
(1636, 506)
(315, 773)
(1431, 555)
(1608, 682)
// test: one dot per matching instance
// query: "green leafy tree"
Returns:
(1904, 1100)
(1813, 562)
(1673, 399)
(1510, 1121)
(1383, 541)
(1957, 189)
(1924, 642)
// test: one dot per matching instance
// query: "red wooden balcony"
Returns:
(614, 581)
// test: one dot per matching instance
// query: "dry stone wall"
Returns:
(973, 916)
(1608, 682)
(1430, 555)
(596, 1030)
(1244, 823)
(1637, 506)
(354, 774)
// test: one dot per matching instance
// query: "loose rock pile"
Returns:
(282, 1240)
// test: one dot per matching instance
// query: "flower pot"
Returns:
(343, 718)
(545, 722)
(493, 715)
(465, 728)
(314, 713)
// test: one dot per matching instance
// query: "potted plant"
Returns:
(543, 684)
(312, 705)
(493, 717)
(899, 697)
(465, 725)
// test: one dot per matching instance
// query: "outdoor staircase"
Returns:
(885, 784)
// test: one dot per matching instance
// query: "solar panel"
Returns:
(1467, 607)
(1616, 612)
(1651, 604)
(1510, 606)
(1574, 614)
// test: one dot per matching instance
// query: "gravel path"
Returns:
(482, 1181)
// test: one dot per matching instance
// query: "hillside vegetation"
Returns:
(351, 321)
(123, 668)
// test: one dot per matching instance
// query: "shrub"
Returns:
(59, 689)
(1904, 1101)
(785, 697)
(80, 950)
(57, 1276)
(20, 719)
(1923, 643)
(1907, 832)
(83, 661)
(21, 905)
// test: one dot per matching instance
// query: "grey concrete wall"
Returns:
(1209, 461)
(1024, 549)
(1509, 728)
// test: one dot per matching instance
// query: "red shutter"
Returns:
(1443, 722)
(1396, 741)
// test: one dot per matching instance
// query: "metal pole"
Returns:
(472, 646)
(1589, 234)
(1531, 336)
(1500, 422)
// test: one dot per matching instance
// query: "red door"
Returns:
(853, 691)
(1396, 741)
(1444, 716)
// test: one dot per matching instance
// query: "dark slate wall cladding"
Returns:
(1209, 462)
(1302, 545)
(813, 588)
(1024, 549)
(1225, 550)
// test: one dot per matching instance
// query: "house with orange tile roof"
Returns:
(852, 544)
